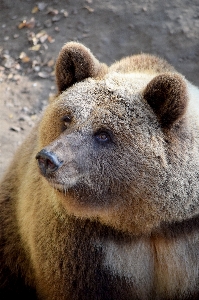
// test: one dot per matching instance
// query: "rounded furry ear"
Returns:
(167, 95)
(75, 63)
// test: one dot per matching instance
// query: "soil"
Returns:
(32, 34)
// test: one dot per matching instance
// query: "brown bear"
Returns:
(101, 201)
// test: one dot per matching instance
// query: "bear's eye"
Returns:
(66, 120)
(102, 136)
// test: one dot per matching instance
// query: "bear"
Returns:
(101, 201)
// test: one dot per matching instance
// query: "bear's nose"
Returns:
(48, 162)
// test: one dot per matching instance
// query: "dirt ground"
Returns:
(32, 33)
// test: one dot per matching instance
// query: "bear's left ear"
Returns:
(167, 95)
(75, 63)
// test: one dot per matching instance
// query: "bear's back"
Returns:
(145, 63)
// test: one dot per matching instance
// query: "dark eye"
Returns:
(102, 137)
(66, 120)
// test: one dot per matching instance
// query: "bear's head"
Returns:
(113, 145)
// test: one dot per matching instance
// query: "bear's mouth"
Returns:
(59, 187)
(64, 186)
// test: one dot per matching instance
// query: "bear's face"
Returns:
(111, 159)
(96, 130)
(109, 143)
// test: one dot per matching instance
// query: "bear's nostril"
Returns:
(48, 162)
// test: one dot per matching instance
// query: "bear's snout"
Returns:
(48, 162)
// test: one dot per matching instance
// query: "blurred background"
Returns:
(32, 33)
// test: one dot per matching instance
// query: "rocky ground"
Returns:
(32, 33)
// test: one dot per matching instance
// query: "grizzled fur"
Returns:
(112, 213)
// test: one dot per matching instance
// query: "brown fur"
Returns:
(118, 217)
(142, 63)
(167, 95)
(74, 64)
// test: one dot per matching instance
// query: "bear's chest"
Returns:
(160, 268)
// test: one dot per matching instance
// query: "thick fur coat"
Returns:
(101, 201)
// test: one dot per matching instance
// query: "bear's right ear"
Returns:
(168, 97)
(75, 63)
